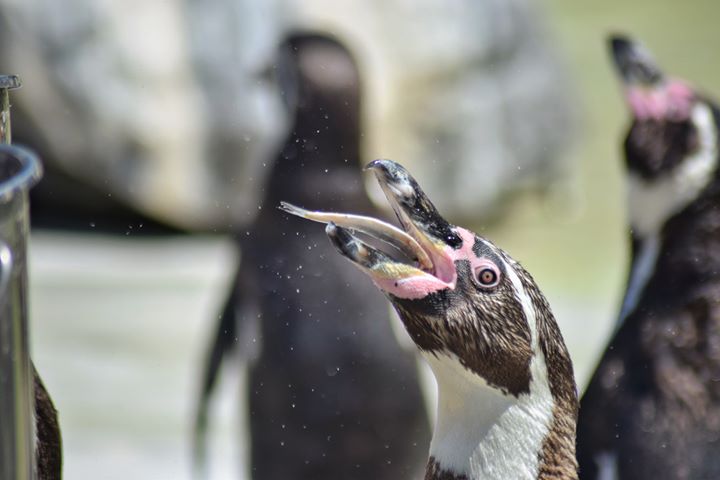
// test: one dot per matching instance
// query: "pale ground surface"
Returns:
(119, 326)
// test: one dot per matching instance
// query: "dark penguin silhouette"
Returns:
(507, 402)
(331, 393)
(652, 409)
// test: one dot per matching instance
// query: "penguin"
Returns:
(652, 407)
(507, 400)
(319, 342)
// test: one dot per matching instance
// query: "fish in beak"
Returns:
(421, 260)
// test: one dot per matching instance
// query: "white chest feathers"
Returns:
(652, 203)
(483, 433)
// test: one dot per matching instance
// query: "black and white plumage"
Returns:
(652, 409)
(507, 402)
(331, 393)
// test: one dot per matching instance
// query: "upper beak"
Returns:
(417, 215)
(634, 63)
(425, 238)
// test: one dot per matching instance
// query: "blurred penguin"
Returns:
(652, 409)
(331, 393)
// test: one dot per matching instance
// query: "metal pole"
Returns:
(7, 83)
(19, 170)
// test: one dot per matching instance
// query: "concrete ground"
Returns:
(119, 327)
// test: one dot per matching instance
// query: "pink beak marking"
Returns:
(670, 101)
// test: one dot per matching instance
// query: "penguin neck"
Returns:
(652, 202)
(483, 432)
(670, 264)
(665, 214)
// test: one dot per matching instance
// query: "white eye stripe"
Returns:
(521, 294)
(526, 304)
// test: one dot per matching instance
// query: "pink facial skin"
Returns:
(423, 284)
(672, 100)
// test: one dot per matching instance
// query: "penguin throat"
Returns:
(654, 202)
(481, 432)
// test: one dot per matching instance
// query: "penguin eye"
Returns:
(487, 275)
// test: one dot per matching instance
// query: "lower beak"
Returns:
(380, 266)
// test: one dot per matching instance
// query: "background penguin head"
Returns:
(318, 78)
(671, 146)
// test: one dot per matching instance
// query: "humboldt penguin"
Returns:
(652, 408)
(318, 339)
(507, 401)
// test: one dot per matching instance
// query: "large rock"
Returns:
(164, 104)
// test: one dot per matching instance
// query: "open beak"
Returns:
(424, 242)
(634, 63)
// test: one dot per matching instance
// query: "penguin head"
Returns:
(483, 326)
(318, 79)
(671, 145)
(467, 302)
(649, 93)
